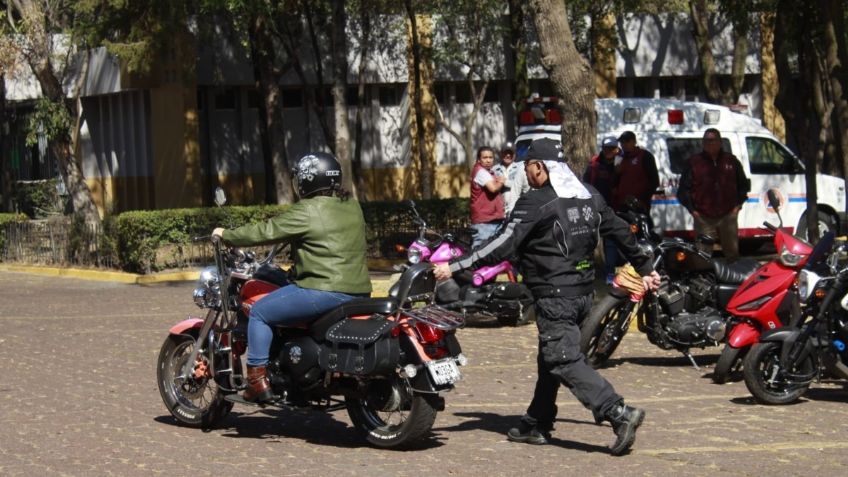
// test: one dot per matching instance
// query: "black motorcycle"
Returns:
(684, 313)
(782, 366)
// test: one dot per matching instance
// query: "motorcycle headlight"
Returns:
(208, 291)
(788, 258)
(413, 255)
(807, 281)
(209, 278)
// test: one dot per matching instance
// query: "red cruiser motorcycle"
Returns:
(382, 360)
(768, 299)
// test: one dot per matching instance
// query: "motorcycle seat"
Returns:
(361, 306)
(736, 272)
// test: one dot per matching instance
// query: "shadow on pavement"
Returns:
(314, 427)
(675, 359)
(498, 424)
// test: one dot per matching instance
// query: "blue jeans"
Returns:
(611, 257)
(290, 305)
(482, 232)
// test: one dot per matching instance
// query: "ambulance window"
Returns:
(680, 150)
(521, 149)
(766, 156)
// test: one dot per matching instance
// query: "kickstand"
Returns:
(691, 359)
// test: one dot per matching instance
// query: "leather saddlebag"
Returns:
(360, 347)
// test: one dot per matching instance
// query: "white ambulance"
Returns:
(672, 131)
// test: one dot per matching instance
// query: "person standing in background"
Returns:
(713, 188)
(516, 181)
(600, 174)
(487, 203)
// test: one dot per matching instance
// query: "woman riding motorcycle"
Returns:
(326, 230)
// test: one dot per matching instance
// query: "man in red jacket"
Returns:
(636, 174)
(487, 204)
(713, 188)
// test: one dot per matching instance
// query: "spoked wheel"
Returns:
(766, 379)
(193, 400)
(602, 331)
(391, 414)
(729, 361)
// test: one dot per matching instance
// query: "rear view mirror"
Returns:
(773, 200)
(220, 197)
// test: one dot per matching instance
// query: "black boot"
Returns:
(625, 420)
(527, 434)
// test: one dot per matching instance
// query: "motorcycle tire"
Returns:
(729, 361)
(601, 332)
(528, 315)
(193, 403)
(391, 415)
(760, 363)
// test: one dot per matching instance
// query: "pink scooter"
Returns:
(471, 292)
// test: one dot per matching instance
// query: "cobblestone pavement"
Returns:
(79, 397)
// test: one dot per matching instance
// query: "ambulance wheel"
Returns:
(827, 223)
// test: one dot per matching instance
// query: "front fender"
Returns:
(780, 335)
(185, 325)
(743, 335)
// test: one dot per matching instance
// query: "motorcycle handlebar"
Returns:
(769, 226)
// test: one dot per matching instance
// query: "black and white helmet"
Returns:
(315, 172)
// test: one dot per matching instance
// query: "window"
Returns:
(253, 99)
(292, 98)
(681, 149)
(353, 96)
(225, 99)
(766, 156)
(390, 95)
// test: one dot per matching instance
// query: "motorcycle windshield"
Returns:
(821, 250)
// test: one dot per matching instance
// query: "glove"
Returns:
(629, 279)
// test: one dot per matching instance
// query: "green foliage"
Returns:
(51, 119)
(39, 199)
(139, 235)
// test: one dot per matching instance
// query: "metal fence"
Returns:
(56, 241)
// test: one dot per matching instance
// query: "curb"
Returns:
(380, 286)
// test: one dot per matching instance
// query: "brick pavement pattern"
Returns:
(79, 398)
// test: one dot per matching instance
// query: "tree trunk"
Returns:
(339, 45)
(518, 52)
(318, 103)
(39, 60)
(364, 48)
(272, 131)
(768, 78)
(837, 55)
(418, 105)
(572, 79)
(701, 33)
(5, 160)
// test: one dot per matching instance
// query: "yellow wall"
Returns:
(118, 194)
(401, 183)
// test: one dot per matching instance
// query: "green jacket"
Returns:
(327, 235)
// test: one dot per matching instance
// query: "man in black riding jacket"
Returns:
(554, 229)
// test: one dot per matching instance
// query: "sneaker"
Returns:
(625, 421)
(527, 434)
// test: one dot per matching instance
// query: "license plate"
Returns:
(444, 371)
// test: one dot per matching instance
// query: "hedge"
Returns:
(142, 235)
(149, 241)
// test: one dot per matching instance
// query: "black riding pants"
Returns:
(560, 361)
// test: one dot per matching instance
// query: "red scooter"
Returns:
(766, 300)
